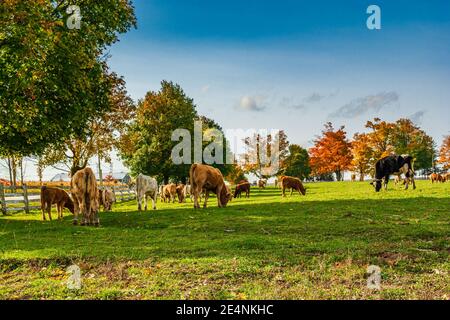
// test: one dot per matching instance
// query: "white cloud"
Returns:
(251, 103)
(205, 88)
(362, 105)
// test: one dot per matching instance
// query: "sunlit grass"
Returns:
(313, 246)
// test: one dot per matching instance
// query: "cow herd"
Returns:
(86, 198)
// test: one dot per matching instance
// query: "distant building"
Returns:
(61, 177)
(121, 177)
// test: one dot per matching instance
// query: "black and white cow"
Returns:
(393, 165)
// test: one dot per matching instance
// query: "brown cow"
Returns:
(208, 178)
(83, 188)
(180, 193)
(293, 184)
(436, 177)
(60, 197)
(262, 183)
(106, 198)
(169, 192)
(242, 187)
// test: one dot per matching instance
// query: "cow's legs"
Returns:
(43, 208)
(206, 199)
(76, 211)
(195, 190)
(155, 195)
(283, 193)
(139, 201)
(49, 211)
(145, 201)
(386, 180)
(218, 192)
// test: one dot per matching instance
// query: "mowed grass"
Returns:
(316, 246)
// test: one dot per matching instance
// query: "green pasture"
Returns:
(316, 246)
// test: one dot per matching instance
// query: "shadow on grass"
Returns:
(290, 231)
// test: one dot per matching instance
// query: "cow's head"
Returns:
(302, 189)
(69, 205)
(225, 196)
(377, 184)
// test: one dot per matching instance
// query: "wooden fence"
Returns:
(24, 198)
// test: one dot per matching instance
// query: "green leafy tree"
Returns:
(52, 80)
(297, 162)
(147, 146)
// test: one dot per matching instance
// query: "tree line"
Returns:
(61, 105)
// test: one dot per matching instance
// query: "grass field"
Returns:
(316, 246)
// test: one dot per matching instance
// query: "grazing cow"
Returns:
(106, 198)
(393, 164)
(180, 193)
(262, 183)
(446, 177)
(353, 177)
(146, 187)
(60, 197)
(83, 188)
(292, 183)
(242, 187)
(208, 178)
(169, 192)
(187, 192)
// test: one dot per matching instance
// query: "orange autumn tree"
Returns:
(331, 152)
(362, 154)
(444, 153)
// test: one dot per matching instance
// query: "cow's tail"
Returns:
(90, 183)
(191, 176)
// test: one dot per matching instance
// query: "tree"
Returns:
(408, 138)
(260, 163)
(147, 146)
(331, 152)
(400, 137)
(362, 154)
(52, 79)
(235, 174)
(380, 138)
(297, 162)
(444, 153)
(102, 133)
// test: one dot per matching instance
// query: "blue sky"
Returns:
(294, 65)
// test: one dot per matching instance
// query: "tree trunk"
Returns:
(10, 170)
(100, 174)
(21, 171)
(361, 175)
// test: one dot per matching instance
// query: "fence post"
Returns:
(2, 199)
(25, 198)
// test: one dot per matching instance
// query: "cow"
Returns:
(353, 177)
(161, 194)
(187, 192)
(83, 188)
(262, 183)
(106, 198)
(393, 164)
(292, 183)
(169, 192)
(242, 187)
(446, 177)
(146, 187)
(180, 193)
(60, 197)
(210, 179)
